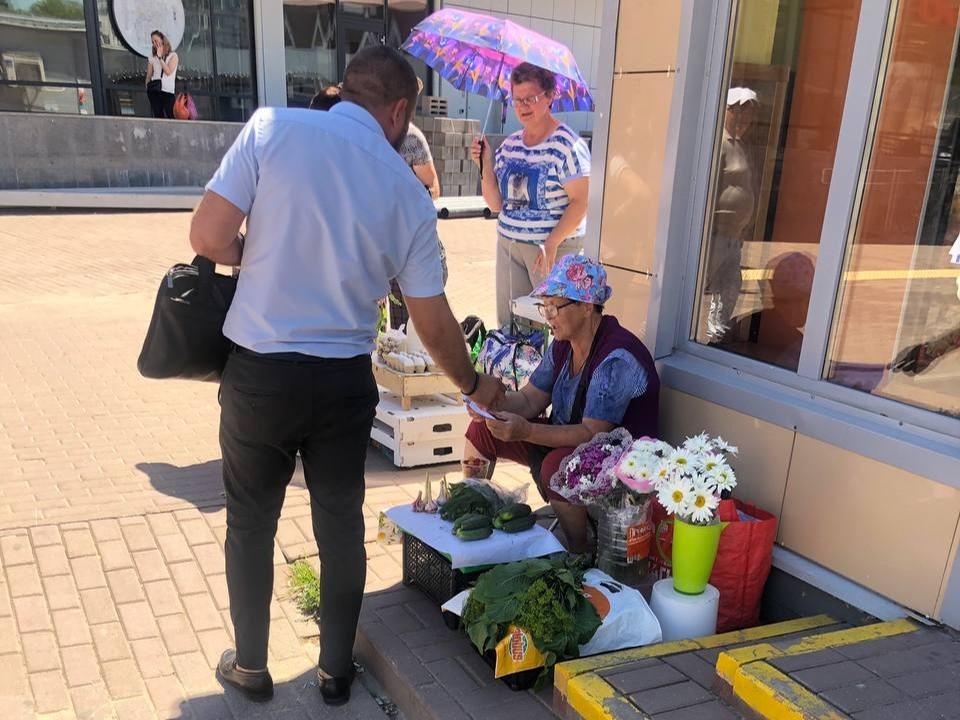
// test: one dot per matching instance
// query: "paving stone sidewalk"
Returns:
(112, 592)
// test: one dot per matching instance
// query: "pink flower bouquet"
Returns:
(587, 476)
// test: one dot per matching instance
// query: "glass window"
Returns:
(44, 66)
(782, 107)
(231, 33)
(897, 327)
(215, 62)
(310, 36)
(402, 16)
(370, 9)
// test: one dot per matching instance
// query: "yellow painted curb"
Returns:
(730, 661)
(773, 695)
(595, 699)
(572, 668)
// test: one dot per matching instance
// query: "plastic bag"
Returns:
(744, 558)
(497, 495)
(510, 356)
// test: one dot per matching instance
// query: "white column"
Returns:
(271, 60)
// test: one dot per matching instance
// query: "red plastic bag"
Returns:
(743, 563)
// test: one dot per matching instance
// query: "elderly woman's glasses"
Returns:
(549, 312)
(530, 99)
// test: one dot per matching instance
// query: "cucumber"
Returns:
(471, 521)
(498, 523)
(519, 524)
(517, 510)
(475, 534)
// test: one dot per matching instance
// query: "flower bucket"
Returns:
(694, 552)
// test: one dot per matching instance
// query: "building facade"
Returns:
(775, 198)
(73, 56)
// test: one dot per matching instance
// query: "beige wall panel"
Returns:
(878, 525)
(635, 151)
(630, 300)
(764, 458)
(648, 34)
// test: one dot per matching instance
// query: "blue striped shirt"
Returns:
(531, 183)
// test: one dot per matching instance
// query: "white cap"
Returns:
(741, 95)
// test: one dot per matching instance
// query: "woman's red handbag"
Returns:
(184, 108)
(743, 562)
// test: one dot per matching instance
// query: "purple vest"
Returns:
(642, 414)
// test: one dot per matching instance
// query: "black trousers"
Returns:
(161, 103)
(273, 406)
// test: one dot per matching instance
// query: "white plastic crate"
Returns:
(430, 418)
(430, 433)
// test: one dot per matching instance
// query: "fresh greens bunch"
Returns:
(542, 595)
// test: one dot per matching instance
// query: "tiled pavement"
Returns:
(112, 595)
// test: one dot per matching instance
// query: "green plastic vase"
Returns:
(694, 552)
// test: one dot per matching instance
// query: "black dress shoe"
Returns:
(335, 690)
(257, 686)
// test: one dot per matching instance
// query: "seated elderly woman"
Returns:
(596, 376)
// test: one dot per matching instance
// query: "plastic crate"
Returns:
(431, 572)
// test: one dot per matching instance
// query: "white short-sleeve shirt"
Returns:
(333, 213)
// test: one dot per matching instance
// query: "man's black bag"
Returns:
(185, 338)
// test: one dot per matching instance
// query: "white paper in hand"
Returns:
(477, 409)
(955, 252)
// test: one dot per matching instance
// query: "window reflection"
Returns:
(216, 62)
(43, 57)
(778, 139)
(232, 34)
(402, 16)
(310, 37)
(897, 330)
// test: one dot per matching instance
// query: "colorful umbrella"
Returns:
(476, 53)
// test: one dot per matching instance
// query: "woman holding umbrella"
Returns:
(538, 183)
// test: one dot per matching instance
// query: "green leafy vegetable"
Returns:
(543, 596)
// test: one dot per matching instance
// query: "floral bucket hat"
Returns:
(578, 278)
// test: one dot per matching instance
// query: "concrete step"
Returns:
(430, 671)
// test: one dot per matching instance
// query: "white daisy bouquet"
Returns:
(690, 479)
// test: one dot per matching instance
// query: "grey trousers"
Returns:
(273, 406)
(516, 274)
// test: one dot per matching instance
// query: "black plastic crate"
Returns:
(431, 572)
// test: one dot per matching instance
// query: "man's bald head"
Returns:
(378, 77)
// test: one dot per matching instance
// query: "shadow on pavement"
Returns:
(297, 698)
(200, 484)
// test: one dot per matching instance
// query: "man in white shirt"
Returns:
(332, 214)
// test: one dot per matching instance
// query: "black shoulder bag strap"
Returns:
(537, 453)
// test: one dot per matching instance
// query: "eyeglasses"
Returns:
(530, 99)
(549, 312)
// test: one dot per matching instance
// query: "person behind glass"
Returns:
(774, 333)
(595, 374)
(733, 211)
(332, 214)
(538, 183)
(161, 77)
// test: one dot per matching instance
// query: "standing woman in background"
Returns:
(538, 182)
(161, 77)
